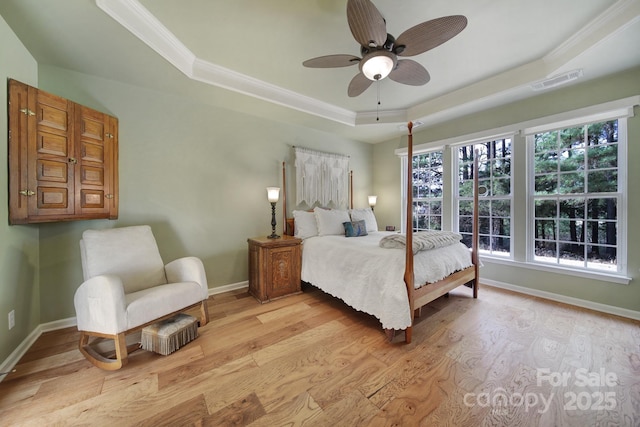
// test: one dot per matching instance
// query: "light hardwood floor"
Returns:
(504, 359)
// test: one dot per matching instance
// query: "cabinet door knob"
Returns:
(73, 160)
(27, 112)
(109, 196)
(27, 192)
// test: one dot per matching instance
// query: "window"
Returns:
(494, 207)
(576, 196)
(427, 191)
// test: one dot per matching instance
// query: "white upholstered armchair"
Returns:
(127, 287)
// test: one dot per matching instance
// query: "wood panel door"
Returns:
(95, 150)
(50, 154)
(62, 159)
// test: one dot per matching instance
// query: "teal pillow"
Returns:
(355, 228)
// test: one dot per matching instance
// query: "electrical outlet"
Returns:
(12, 319)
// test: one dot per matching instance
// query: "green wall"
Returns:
(19, 258)
(192, 164)
(386, 165)
(196, 172)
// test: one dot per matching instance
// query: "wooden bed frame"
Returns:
(429, 292)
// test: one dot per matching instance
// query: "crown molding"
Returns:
(138, 20)
(133, 16)
(616, 18)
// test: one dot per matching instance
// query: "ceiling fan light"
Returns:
(378, 64)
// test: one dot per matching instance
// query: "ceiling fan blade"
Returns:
(358, 85)
(410, 72)
(430, 34)
(366, 23)
(331, 61)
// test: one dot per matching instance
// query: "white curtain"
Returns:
(321, 178)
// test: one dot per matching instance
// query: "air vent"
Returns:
(558, 80)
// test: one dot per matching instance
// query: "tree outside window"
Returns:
(494, 173)
(575, 196)
(427, 191)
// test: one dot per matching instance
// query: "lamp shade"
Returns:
(378, 64)
(373, 200)
(273, 194)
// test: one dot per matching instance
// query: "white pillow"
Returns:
(367, 215)
(304, 224)
(330, 221)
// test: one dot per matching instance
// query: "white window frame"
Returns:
(404, 166)
(617, 109)
(456, 192)
(621, 194)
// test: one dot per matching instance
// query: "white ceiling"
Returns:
(248, 54)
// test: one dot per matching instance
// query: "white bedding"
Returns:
(370, 278)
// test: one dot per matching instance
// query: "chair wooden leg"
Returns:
(204, 313)
(99, 360)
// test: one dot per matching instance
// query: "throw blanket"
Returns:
(422, 240)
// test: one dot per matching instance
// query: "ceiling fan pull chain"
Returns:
(378, 106)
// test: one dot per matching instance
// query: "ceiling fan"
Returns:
(380, 50)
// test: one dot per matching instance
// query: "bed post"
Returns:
(408, 269)
(350, 189)
(475, 257)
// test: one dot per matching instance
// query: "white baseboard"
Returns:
(24, 346)
(604, 308)
(227, 288)
(17, 354)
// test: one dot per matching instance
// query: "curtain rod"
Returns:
(309, 150)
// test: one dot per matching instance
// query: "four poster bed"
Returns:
(385, 274)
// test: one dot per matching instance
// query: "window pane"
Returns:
(602, 232)
(582, 231)
(572, 137)
(494, 207)
(483, 225)
(466, 189)
(501, 245)
(603, 181)
(427, 190)
(501, 187)
(484, 207)
(571, 160)
(604, 208)
(545, 208)
(501, 168)
(546, 251)
(546, 184)
(466, 225)
(484, 243)
(545, 229)
(572, 208)
(545, 141)
(571, 255)
(599, 133)
(501, 208)
(465, 207)
(571, 231)
(546, 162)
(500, 229)
(601, 257)
(435, 223)
(571, 183)
(603, 156)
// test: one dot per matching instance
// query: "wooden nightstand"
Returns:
(274, 267)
